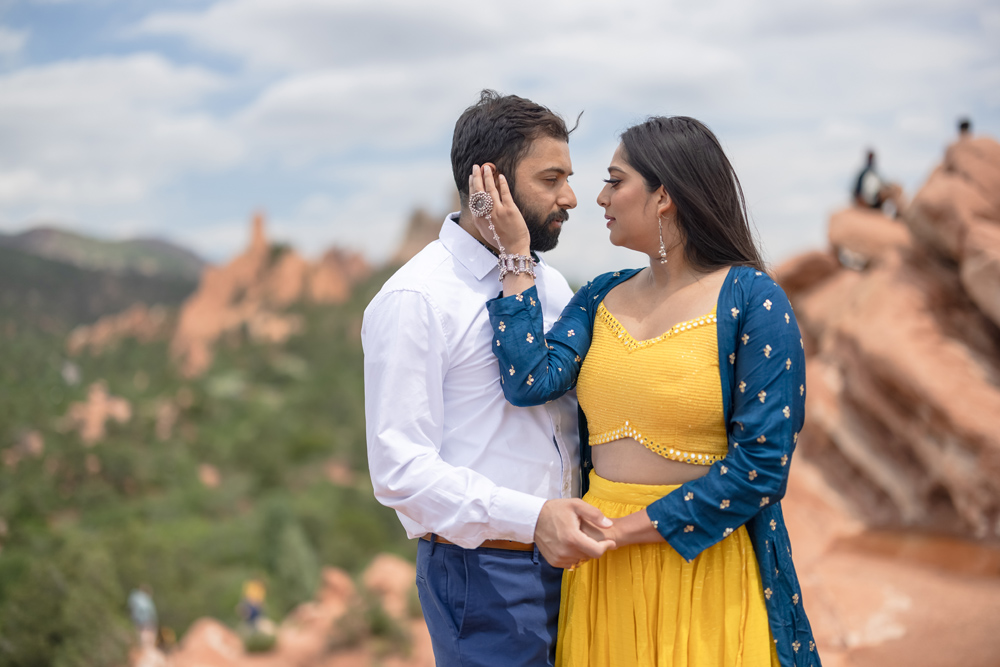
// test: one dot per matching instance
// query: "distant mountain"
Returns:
(55, 295)
(148, 257)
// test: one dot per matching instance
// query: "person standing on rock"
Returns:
(491, 490)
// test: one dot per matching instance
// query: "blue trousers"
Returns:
(488, 607)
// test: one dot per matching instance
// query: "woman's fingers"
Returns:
(491, 188)
(505, 197)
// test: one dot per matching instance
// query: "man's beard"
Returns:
(543, 235)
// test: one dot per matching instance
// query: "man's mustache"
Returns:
(561, 215)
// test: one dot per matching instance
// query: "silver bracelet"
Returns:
(516, 264)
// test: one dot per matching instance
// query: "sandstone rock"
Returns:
(865, 236)
(421, 229)
(393, 580)
(90, 417)
(250, 293)
(980, 270)
(904, 355)
(139, 322)
(209, 643)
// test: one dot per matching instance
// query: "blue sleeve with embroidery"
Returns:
(537, 367)
(768, 410)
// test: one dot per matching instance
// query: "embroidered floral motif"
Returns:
(724, 504)
(743, 386)
(774, 524)
(616, 274)
(577, 357)
(727, 532)
(511, 371)
(688, 529)
(688, 496)
(788, 320)
(795, 437)
(531, 300)
(812, 645)
(767, 304)
(767, 351)
(795, 599)
(570, 333)
(787, 412)
(796, 646)
(784, 460)
(768, 593)
(530, 338)
(762, 395)
(758, 273)
(502, 327)
(732, 358)
(753, 475)
(788, 364)
(745, 339)
(761, 440)
(530, 381)
(519, 297)
(498, 342)
(765, 500)
(723, 470)
(735, 312)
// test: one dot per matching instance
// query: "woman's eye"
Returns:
(612, 181)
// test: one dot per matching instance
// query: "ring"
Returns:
(481, 204)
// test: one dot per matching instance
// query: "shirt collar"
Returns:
(470, 253)
(467, 250)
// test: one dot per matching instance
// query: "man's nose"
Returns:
(567, 198)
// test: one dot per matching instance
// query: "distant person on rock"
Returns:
(251, 607)
(491, 490)
(143, 612)
(872, 191)
(964, 128)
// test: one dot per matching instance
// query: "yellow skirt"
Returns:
(644, 605)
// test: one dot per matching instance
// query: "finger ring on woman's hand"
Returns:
(481, 204)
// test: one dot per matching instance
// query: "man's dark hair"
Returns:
(499, 129)
(964, 125)
(683, 156)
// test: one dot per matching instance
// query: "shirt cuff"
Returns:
(513, 515)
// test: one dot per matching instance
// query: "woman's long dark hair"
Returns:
(683, 156)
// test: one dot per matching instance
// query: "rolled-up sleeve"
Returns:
(406, 359)
(768, 410)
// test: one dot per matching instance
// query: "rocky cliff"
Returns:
(252, 292)
(901, 320)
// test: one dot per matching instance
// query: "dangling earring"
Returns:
(663, 248)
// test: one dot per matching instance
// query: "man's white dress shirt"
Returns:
(445, 449)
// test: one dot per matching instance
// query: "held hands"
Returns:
(570, 531)
(508, 223)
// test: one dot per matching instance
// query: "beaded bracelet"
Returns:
(516, 264)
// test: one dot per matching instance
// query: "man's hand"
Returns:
(560, 536)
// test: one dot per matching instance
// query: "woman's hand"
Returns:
(508, 223)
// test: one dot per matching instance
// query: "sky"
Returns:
(178, 119)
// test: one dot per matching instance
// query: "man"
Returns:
(488, 488)
(868, 186)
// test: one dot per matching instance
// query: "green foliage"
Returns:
(85, 525)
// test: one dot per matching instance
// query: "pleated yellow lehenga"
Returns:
(644, 605)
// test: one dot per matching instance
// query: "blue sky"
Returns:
(178, 119)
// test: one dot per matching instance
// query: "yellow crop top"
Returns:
(663, 392)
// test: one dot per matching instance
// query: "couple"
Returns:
(690, 379)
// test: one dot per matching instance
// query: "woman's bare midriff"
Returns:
(625, 460)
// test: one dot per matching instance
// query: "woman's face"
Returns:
(630, 209)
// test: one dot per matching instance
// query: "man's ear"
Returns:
(496, 174)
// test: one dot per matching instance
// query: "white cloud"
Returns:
(106, 130)
(12, 41)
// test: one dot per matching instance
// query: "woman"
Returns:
(691, 380)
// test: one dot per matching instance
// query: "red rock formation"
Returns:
(305, 636)
(139, 322)
(904, 351)
(90, 417)
(251, 292)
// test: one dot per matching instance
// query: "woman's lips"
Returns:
(609, 219)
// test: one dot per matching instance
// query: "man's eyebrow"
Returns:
(558, 170)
